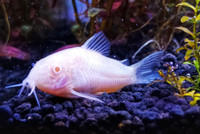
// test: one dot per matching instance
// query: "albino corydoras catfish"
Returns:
(86, 71)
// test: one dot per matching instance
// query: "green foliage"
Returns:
(176, 81)
(192, 55)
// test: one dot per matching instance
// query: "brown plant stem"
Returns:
(77, 17)
(108, 10)
(92, 19)
(7, 21)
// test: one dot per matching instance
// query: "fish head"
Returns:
(47, 75)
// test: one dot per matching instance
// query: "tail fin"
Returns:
(146, 71)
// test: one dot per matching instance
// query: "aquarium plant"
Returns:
(192, 55)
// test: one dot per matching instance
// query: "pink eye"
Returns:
(56, 69)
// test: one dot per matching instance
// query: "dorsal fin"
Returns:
(99, 43)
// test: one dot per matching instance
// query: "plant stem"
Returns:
(7, 21)
(92, 19)
(108, 9)
(76, 16)
(197, 56)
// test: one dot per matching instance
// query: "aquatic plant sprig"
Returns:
(192, 55)
(191, 46)
(176, 81)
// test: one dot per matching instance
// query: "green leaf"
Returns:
(187, 5)
(190, 93)
(94, 11)
(194, 102)
(184, 19)
(187, 62)
(188, 54)
(181, 48)
(185, 30)
(189, 42)
(181, 79)
(197, 1)
(197, 95)
(196, 64)
(198, 17)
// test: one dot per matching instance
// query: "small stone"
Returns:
(60, 124)
(80, 113)
(126, 97)
(47, 108)
(130, 106)
(97, 109)
(68, 105)
(16, 116)
(165, 93)
(171, 99)
(22, 120)
(36, 110)
(73, 119)
(138, 96)
(176, 111)
(91, 122)
(163, 115)
(86, 103)
(121, 115)
(102, 117)
(58, 108)
(33, 118)
(139, 89)
(155, 109)
(195, 110)
(23, 108)
(155, 92)
(160, 104)
(149, 102)
(137, 121)
(61, 116)
(181, 101)
(49, 118)
(5, 112)
(168, 106)
(163, 86)
(148, 115)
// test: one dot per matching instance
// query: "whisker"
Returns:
(35, 94)
(21, 90)
(32, 90)
(16, 85)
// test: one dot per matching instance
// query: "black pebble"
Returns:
(61, 116)
(5, 112)
(23, 108)
(68, 105)
(47, 108)
(58, 108)
(138, 96)
(49, 118)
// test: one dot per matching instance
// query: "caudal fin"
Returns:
(146, 71)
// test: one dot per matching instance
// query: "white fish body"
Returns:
(86, 71)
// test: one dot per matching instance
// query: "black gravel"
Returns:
(136, 109)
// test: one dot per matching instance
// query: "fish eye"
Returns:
(56, 69)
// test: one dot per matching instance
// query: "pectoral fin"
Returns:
(87, 96)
